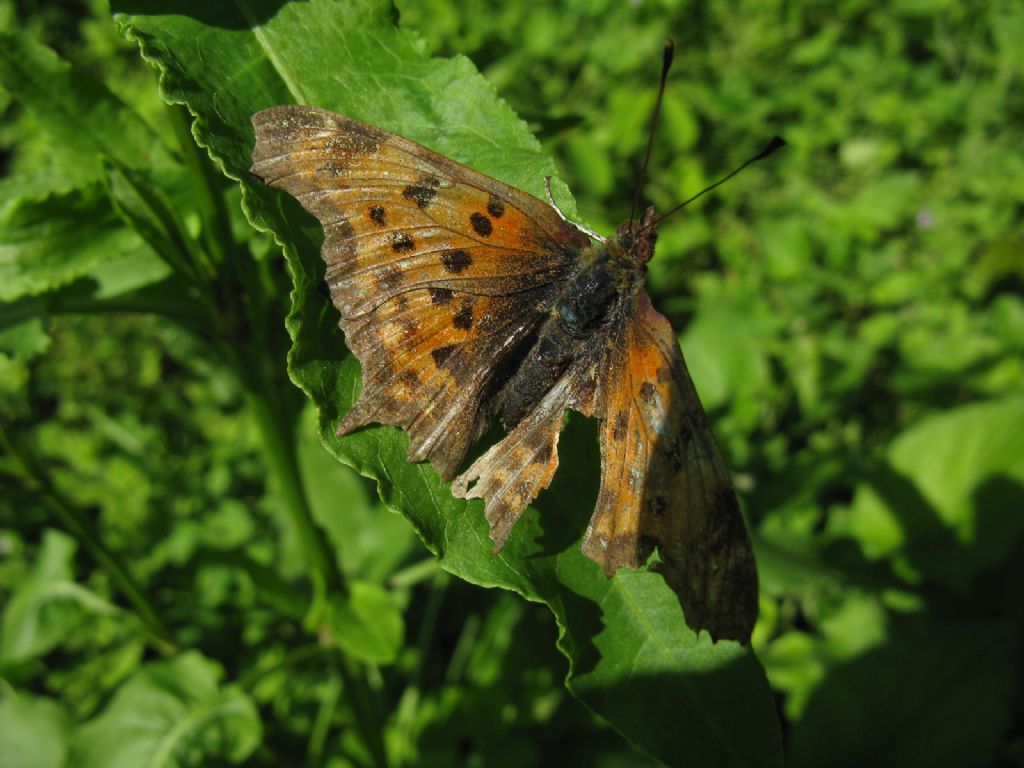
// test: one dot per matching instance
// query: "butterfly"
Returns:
(467, 300)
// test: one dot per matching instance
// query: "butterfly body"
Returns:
(467, 300)
(592, 296)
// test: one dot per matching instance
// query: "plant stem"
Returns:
(322, 724)
(218, 242)
(276, 428)
(363, 703)
(278, 439)
(75, 523)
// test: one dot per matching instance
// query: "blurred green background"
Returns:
(852, 313)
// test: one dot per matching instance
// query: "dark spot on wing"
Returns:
(481, 224)
(410, 330)
(685, 433)
(401, 242)
(377, 214)
(409, 377)
(464, 317)
(339, 241)
(543, 455)
(495, 207)
(659, 505)
(621, 422)
(420, 193)
(388, 278)
(455, 260)
(442, 353)
(441, 296)
(674, 454)
(648, 393)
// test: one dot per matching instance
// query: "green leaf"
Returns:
(935, 696)
(723, 353)
(33, 732)
(168, 715)
(22, 336)
(632, 658)
(48, 606)
(371, 541)
(82, 117)
(367, 623)
(948, 503)
(50, 241)
(142, 204)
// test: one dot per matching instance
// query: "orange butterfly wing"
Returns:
(664, 482)
(438, 271)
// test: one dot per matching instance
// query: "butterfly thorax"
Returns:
(597, 291)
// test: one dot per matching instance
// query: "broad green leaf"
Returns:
(632, 659)
(47, 607)
(367, 623)
(171, 714)
(48, 242)
(949, 502)
(33, 732)
(59, 226)
(935, 696)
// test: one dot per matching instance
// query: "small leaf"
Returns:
(724, 354)
(367, 623)
(33, 732)
(171, 714)
(48, 606)
(949, 500)
(22, 337)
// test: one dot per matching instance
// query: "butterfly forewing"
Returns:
(438, 271)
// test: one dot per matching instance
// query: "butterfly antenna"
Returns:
(777, 142)
(666, 64)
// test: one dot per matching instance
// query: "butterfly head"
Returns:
(637, 238)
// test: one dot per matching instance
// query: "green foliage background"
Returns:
(187, 576)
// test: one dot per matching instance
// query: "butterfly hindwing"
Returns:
(438, 271)
(664, 483)
(513, 471)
